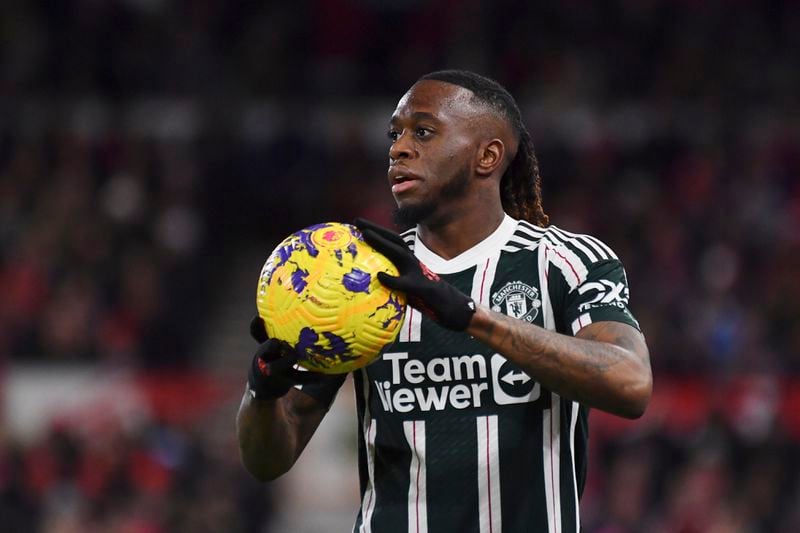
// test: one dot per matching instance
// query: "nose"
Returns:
(401, 148)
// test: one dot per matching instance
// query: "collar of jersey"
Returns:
(468, 258)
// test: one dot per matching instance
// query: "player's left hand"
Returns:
(273, 368)
(425, 290)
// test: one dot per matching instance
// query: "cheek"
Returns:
(453, 156)
(458, 158)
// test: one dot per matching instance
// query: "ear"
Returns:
(491, 154)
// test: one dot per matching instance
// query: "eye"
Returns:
(422, 132)
(393, 135)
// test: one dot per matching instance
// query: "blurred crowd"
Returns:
(144, 142)
(718, 478)
(146, 139)
(101, 241)
(156, 478)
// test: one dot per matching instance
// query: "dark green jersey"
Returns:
(456, 438)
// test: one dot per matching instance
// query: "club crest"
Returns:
(518, 300)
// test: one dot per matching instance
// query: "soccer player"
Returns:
(476, 418)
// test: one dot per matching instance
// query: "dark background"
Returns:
(148, 146)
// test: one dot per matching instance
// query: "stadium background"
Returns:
(153, 152)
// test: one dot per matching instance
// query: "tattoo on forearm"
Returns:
(517, 336)
(544, 351)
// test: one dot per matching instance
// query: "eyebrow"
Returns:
(417, 115)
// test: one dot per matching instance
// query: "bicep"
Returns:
(631, 379)
(619, 334)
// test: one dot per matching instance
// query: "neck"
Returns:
(452, 235)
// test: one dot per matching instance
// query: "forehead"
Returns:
(441, 100)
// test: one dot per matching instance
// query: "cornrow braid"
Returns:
(521, 184)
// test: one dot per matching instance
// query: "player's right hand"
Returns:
(425, 290)
(272, 371)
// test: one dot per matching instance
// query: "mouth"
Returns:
(402, 180)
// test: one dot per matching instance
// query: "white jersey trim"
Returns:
(574, 408)
(551, 436)
(411, 331)
(570, 265)
(601, 248)
(489, 508)
(409, 236)
(483, 279)
(414, 431)
(581, 322)
(469, 258)
(370, 431)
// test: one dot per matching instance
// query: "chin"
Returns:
(407, 215)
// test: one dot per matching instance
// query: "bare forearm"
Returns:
(273, 433)
(608, 368)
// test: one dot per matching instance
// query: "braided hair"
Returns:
(521, 184)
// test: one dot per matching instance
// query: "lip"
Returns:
(402, 179)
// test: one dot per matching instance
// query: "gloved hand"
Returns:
(425, 291)
(272, 371)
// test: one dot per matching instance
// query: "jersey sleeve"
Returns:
(325, 390)
(603, 295)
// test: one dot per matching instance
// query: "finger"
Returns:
(362, 224)
(273, 349)
(398, 254)
(393, 282)
(257, 330)
(278, 367)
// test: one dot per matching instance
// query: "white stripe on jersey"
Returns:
(412, 326)
(531, 229)
(559, 245)
(551, 422)
(548, 319)
(409, 237)
(574, 408)
(551, 419)
(525, 237)
(370, 430)
(516, 243)
(417, 496)
(581, 322)
(551, 436)
(604, 251)
(576, 243)
(568, 263)
(489, 509)
(483, 278)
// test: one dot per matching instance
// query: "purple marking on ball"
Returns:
(355, 232)
(299, 280)
(353, 249)
(398, 310)
(338, 346)
(309, 344)
(305, 238)
(308, 338)
(356, 281)
(338, 254)
(284, 253)
(315, 227)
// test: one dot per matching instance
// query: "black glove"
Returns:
(272, 371)
(425, 291)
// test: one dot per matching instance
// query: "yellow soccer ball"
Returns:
(319, 291)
